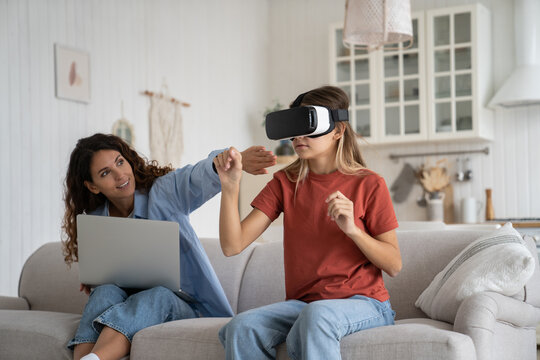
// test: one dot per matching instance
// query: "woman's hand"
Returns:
(256, 159)
(85, 288)
(341, 210)
(229, 167)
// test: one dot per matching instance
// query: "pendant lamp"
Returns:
(371, 24)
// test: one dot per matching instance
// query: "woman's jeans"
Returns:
(128, 313)
(312, 331)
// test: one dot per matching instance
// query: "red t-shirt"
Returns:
(321, 262)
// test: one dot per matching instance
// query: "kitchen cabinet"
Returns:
(459, 74)
(354, 71)
(436, 89)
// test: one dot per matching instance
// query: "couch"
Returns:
(39, 322)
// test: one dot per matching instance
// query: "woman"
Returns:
(339, 235)
(106, 177)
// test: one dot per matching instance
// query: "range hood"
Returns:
(522, 87)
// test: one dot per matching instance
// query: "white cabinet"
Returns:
(355, 73)
(437, 89)
(459, 72)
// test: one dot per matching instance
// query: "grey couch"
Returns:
(39, 323)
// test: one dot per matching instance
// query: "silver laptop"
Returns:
(131, 253)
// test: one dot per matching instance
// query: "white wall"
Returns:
(211, 54)
(299, 50)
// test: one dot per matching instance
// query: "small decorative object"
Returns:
(166, 127)
(370, 24)
(434, 179)
(72, 73)
(490, 213)
(123, 128)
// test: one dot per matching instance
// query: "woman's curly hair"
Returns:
(78, 199)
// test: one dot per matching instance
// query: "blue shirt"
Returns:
(172, 198)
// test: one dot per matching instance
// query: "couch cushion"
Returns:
(264, 279)
(413, 339)
(408, 339)
(424, 254)
(196, 338)
(229, 270)
(61, 294)
(498, 262)
(36, 334)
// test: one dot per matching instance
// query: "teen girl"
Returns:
(106, 177)
(338, 235)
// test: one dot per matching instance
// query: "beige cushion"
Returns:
(36, 334)
(48, 284)
(188, 339)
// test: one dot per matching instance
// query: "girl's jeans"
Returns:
(128, 313)
(312, 331)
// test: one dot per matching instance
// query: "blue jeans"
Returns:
(312, 331)
(128, 312)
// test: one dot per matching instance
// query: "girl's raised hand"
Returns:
(341, 210)
(229, 166)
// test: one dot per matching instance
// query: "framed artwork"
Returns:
(72, 73)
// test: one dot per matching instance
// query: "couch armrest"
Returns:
(13, 303)
(478, 314)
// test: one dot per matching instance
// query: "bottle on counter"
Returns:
(490, 213)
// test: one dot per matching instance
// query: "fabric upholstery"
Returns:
(410, 339)
(498, 261)
(36, 334)
(13, 303)
(264, 279)
(255, 278)
(229, 270)
(479, 315)
(185, 339)
(48, 284)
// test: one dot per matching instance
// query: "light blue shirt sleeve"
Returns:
(193, 184)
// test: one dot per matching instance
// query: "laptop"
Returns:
(130, 253)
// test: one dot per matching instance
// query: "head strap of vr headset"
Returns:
(335, 114)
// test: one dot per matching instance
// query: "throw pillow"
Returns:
(499, 262)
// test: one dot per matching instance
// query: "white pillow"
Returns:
(498, 262)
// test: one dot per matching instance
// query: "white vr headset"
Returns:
(311, 121)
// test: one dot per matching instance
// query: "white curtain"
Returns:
(166, 130)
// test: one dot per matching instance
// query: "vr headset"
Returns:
(311, 121)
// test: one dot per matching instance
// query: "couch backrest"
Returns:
(256, 277)
(424, 254)
(48, 284)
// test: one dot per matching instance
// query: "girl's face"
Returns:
(112, 175)
(317, 148)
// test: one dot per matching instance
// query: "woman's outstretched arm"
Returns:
(235, 235)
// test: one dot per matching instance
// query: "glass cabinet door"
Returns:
(403, 87)
(451, 63)
(354, 73)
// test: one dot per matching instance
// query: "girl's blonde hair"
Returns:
(349, 159)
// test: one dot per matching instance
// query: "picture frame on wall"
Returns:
(72, 73)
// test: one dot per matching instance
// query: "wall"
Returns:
(299, 50)
(211, 54)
